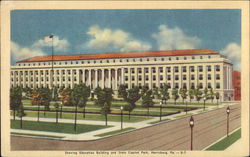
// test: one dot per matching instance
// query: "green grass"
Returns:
(98, 117)
(226, 142)
(158, 121)
(53, 127)
(114, 132)
(38, 135)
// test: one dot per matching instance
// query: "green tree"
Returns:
(27, 92)
(66, 96)
(164, 94)
(104, 99)
(15, 99)
(191, 94)
(21, 114)
(122, 93)
(156, 93)
(79, 97)
(36, 100)
(211, 94)
(55, 94)
(175, 95)
(147, 100)
(198, 94)
(183, 93)
(46, 97)
(133, 95)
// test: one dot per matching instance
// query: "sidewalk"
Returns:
(115, 125)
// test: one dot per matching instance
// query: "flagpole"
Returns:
(52, 49)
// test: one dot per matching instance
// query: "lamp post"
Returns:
(204, 105)
(61, 110)
(228, 112)
(160, 109)
(186, 106)
(121, 116)
(191, 124)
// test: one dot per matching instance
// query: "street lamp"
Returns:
(191, 124)
(228, 112)
(160, 109)
(204, 103)
(121, 116)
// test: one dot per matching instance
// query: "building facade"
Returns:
(178, 69)
(237, 85)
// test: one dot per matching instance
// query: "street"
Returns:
(173, 135)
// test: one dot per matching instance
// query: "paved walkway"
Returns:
(115, 125)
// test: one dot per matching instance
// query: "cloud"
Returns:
(19, 53)
(174, 38)
(58, 44)
(233, 52)
(105, 38)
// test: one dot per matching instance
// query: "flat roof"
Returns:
(121, 55)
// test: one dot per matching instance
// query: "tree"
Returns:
(211, 94)
(79, 97)
(191, 94)
(46, 95)
(15, 99)
(104, 99)
(164, 94)
(37, 99)
(56, 105)
(198, 94)
(147, 100)
(217, 95)
(21, 114)
(27, 92)
(183, 93)
(122, 93)
(156, 93)
(175, 95)
(133, 95)
(55, 94)
(66, 96)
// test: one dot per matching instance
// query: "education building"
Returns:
(177, 68)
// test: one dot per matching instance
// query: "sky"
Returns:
(99, 31)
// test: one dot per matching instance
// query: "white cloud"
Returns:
(233, 52)
(105, 38)
(58, 44)
(19, 53)
(174, 38)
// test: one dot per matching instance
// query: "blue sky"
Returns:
(98, 31)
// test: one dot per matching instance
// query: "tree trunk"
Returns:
(84, 112)
(106, 119)
(14, 114)
(38, 113)
(21, 122)
(44, 111)
(61, 112)
(75, 118)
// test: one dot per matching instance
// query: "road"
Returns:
(174, 135)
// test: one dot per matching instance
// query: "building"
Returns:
(178, 69)
(237, 85)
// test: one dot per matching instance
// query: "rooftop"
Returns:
(121, 55)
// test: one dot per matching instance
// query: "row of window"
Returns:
(176, 85)
(114, 60)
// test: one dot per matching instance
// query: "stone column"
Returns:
(157, 77)
(122, 75)
(103, 82)
(143, 76)
(136, 76)
(109, 80)
(83, 76)
(96, 78)
(89, 79)
(150, 77)
(116, 79)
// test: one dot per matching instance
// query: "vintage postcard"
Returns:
(141, 78)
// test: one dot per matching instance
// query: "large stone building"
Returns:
(178, 69)
(237, 85)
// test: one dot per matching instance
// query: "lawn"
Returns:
(53, 127)
(114, 118)
(114, 132)
(36, 135)
(226, 142)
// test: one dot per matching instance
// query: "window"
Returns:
(89, 61)
(184, 85)
(126, 78)
(69, 72)
(192, 68)
(176, 69)
(169, 59)
(209, 57)
(26, 72)
(200, 77)
(63, 78)
(184, 77)
(47, 72)
(147, 59)
(69, 79)
(132, 70)
(209, 76)
(127, 60)
(139, 70)
(146, 70)
(168, 85)
(169, 77)
(133, 78)
(192, 77)
(161, 77)
(176, 77)
(63, 72)
(217, 76)
(201, 57)
(200, 85)
(168, 69)
(126, 70)
(114, 60)
(154, 85)
(66, 63)
(162, 59)
(146, 77)
(140, 78)
(31, 79)
(154, 77)
(209, 68)
(76, 62)
(176, 85)
(155, 59)
(217, 85)
(74, 78)
(94, 62)
(57, 72)
(185, 58)
(217, 67)
(177, 58)
(184, 69)
(192, 85)
(140, 60)
(120, 60)
(193, 57)
(209, 85)
(133, 60)
(100, 61)
(161, 69)
(153, 70)
(161, 85)
(42, 79)
(200, 68)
